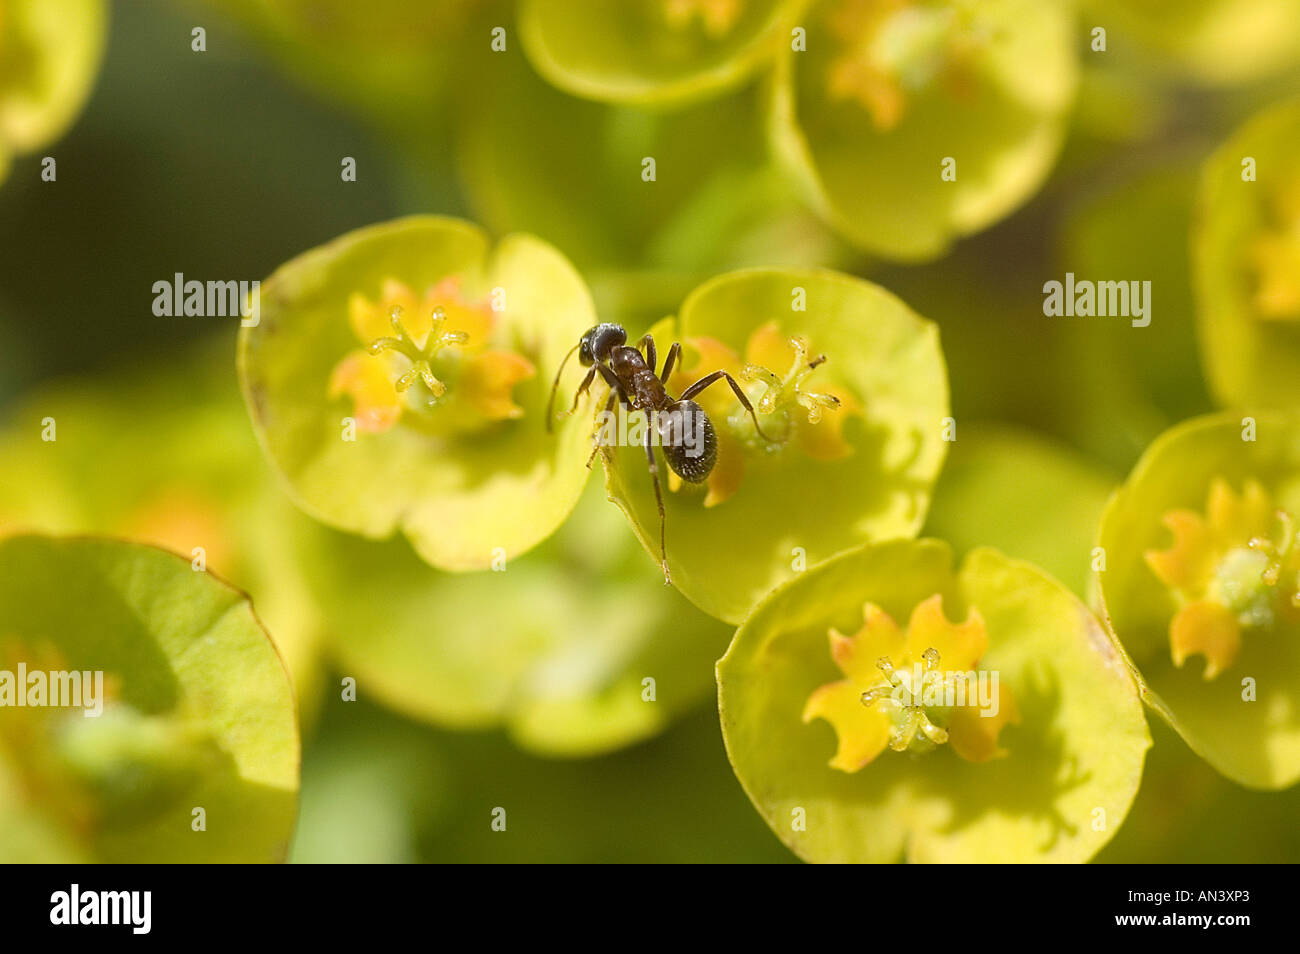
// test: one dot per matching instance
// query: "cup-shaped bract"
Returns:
(378, 57)
(1246, 255)
(1039, 761)
(1216, 42)
(850, 391)
(576, 649)
(398, 378)
(175, 465)
(913, 124)
(1202, 566)
(157, 721)
(653, 51)
(49, 57)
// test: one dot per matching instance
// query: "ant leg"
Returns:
(615, 394)
(708, 379)
(674, 353)
(582, 389)
(595, 437)
(659, 499)
(648, 344)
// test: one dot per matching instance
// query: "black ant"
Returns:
(685, 431)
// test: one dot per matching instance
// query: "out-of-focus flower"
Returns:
(1223, 587)
(653, 51)
(1233, 569)
(50, 52)
(1246, 256)
(911, 123)
(169, 696)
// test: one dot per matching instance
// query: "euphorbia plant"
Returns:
(850, 390)
(911, 124)
(193, 752)
(653, 51)
(49, 55)
(175, 465)
(1198, 575)
(1246, 255)
(883, 706)
(393, 378)
(1219, 42)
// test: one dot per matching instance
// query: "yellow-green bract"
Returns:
(464, 497)
(791, 509)
(377, 57)
(1245, 247)
(1073, 763)
(1210, 41)
(175, 465)
(1243, 721)
(576, 649)
(194, 756)
(653, 51)
(49, 55)
(912, 125)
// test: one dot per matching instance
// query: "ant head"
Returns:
(599, 341)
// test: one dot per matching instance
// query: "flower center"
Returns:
(1233, 570)
(1275, 256)
(420, 356)
(425, 352)
(892, 50)
(716, 16)
(902, 697)
(782, 394)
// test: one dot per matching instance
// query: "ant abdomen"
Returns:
(690, 444)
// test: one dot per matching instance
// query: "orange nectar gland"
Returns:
(717, 17)
(1234, 570)
(796, 412)
(893, 47)
(439, 342)
(1275, 255)
(895, 694)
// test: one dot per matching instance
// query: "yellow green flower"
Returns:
(854, 439)
(192, 706)
(910, 123)
(50, 52)
(1246, 262)
(887, 47)
(398, 378)
(434, 339)
(652, 51)
(1198, 555)
(1026, 782)
(893, 680)
(790, 411)
(1233, 569)
(1275, 255)
(716, 17)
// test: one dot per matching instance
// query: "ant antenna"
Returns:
(550, 403)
